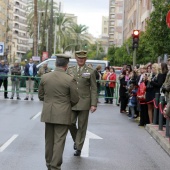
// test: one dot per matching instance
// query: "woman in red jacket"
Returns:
(111, 77)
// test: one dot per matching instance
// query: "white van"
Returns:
(73, 62)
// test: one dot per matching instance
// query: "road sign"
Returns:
(168, 19)
(1, 48)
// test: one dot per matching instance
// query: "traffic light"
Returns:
(135, 37)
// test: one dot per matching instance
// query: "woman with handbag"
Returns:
(106, 84)
(150, 90)
(159, 80)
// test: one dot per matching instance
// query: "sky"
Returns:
(89, 13)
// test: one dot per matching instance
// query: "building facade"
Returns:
(3, 22)
(111, 23)
(105, 34)
(19, 30)
(9, 43)
(118, 31)
(136, 14)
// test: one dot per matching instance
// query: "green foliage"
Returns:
(152, 43)
(157, 33)
(28, 55)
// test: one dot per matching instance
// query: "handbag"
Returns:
(141, 92)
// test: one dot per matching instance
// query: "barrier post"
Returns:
(167, 128)
(162, 102)
(156, 109)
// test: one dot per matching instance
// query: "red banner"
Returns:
(44, 56)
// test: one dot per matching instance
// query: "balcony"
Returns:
(22, 43)
(20, 21)
(15, 35)
(20, 7)
(20, 13)
(22, 49)
(20, 28)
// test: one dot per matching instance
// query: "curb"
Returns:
(159, 136)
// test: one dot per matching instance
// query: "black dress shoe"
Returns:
(11, 98)
(6, 97)
(77, 153)
(18, 98)
(26, 98)
(141, 124)
(74, 146)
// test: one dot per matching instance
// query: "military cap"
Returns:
(16, 61)
(63, 56)
(81, 54)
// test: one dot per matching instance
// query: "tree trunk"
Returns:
(35, 29)
(50, 47)
(44, 28)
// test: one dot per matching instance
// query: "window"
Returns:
(105, 30)
(112, 23)
(121, 9)
(119, 23)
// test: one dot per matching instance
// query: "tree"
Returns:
(63, 32)
(157, 33)
(79, 34)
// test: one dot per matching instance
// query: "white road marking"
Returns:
(85, 150)
(37, 115)
(6, 144)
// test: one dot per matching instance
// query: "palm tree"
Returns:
(63, 23)
(43, 7)
(79, 33)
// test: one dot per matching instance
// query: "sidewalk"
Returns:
(159, 136)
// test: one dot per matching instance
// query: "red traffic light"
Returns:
(135, 32)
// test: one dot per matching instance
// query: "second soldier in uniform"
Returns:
(87, 89)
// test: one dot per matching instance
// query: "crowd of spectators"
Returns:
(150, 78)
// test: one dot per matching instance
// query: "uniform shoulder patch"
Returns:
(71, 67)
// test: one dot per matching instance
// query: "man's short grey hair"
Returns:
(62, 62)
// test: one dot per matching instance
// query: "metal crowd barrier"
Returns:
(22, 80)
(22, 89)
(102, 92)
(159, 104)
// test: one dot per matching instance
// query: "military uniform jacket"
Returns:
(43, 71)
(58, 91)
(166, 84)
(87, 87)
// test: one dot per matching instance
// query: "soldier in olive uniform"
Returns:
(44, 69)
(166, 91)
(87, 89)
(58, 91)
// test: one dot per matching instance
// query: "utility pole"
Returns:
(51, 31)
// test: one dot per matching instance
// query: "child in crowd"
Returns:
(133, 100)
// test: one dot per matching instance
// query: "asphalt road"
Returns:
(113, 142)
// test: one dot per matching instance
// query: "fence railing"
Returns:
(158, 118)
(102, 93)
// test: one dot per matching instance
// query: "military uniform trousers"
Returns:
(55, 136)
(79, 134)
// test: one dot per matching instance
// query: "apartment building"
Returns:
(3, 22)
(118, 31)
(105, 33)
(20, 35)
(136, 14)
(111, 21)
(9, 43)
